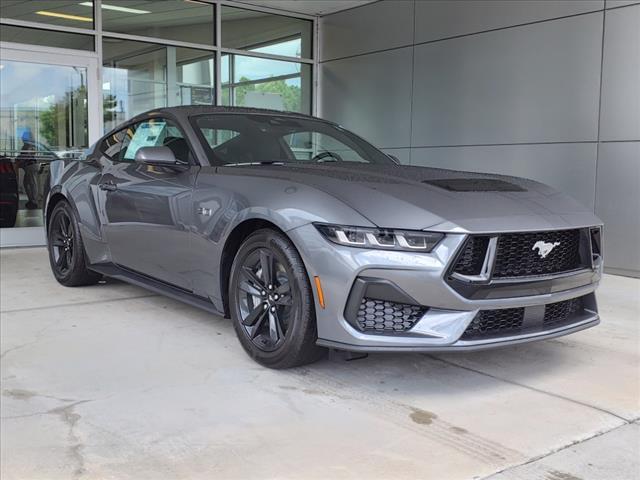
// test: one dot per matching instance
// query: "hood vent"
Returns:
(475, 185)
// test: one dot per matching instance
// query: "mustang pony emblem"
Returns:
(544, 248)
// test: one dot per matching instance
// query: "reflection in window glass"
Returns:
(154, 132)
(112, 145)
(217, 137)
(43, 117)
(139, 76)
(289, 48)
(187, 21)
(266, 33)
(54, 12)
(265, 83)
(195, 72)
(316, 145)
(47, 38)
(281, 138)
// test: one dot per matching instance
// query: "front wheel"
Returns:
(271, 302)
(66, 251)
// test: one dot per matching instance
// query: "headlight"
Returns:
(380, 238)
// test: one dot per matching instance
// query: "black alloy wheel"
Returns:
(66, 250)
(62, 241)
(271, 302)
(265, 299)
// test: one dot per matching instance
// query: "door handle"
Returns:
(109, 186)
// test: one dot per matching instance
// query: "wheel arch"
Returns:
(54, 198)
(231, 246)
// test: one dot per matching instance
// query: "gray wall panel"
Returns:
(619, 3)
(618, 203)
(527, 96)
(570, 168)
(370, 95)
(620, 113)
(536, 83)
(448, 18)
(349, 32)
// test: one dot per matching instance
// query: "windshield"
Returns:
(238, 139)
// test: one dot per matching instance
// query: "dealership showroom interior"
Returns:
(320, 239)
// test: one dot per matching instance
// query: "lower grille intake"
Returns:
(384, 316)
(558, 313)
(489, 324)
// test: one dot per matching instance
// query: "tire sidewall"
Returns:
(78, 257)
(304, 315)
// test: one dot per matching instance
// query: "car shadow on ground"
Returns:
(450, 374)
(419, 373)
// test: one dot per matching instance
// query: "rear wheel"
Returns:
(271, 302)
(66, 251)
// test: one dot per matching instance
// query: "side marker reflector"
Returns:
(320, 292)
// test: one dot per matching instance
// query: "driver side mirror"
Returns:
(158, 156)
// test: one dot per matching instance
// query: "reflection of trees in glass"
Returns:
(109, 104)
(291, 94)
(56, 119)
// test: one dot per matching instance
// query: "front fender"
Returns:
(76, 181)
(221, 202)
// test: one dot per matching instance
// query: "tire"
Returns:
(66, 251)
(276, 326)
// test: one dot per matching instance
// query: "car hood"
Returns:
(409, 197)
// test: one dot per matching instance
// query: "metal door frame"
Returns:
(35, 236)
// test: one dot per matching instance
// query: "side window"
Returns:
(154, 132)
(112, 144)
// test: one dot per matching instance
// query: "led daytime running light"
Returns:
(380, 239)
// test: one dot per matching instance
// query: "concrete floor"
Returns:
(113, 382)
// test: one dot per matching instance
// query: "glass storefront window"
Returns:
(47, 38)
(265, 83)
(139, 76)
(43, 117)
(195, 73)
(50, 111)
(266, 33)
(186, 21)
(54, 12)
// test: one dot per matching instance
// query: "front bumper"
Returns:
(422, 278)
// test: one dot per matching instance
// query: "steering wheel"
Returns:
(326, 154)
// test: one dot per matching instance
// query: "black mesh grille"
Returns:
(472, 257)
(385, 316)
(516, 256)
(488, 323)
(558, 313)
(510, 321)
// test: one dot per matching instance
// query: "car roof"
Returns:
(189, 110)
(183, 112)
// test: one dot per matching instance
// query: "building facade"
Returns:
(72, 70)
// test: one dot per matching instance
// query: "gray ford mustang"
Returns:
(307, 236)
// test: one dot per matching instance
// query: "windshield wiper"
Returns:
(265, 162)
